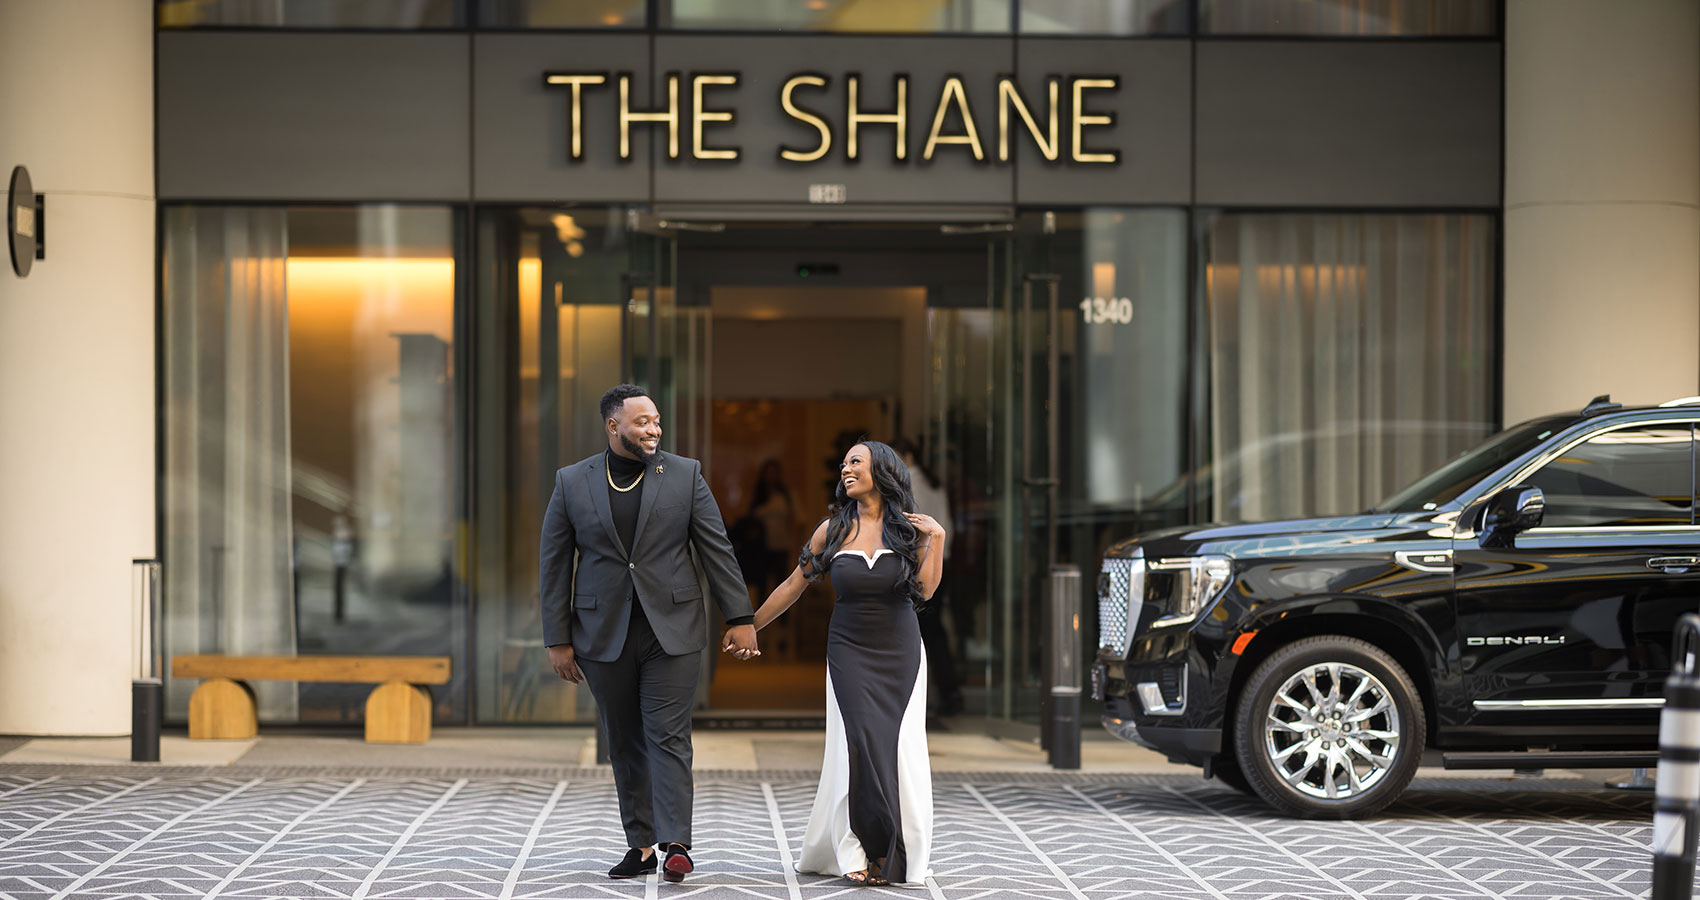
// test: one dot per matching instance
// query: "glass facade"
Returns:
(914, 16)
(1348, 354)
(1103, 416)
(570, 301)
(1350, 18)
(563, 13)
(1311, 18)
(311, 483)
(357, 461)
(365, 404)
(311, 14)
(1125, 18)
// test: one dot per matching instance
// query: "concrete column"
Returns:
(1602, 202)
(76, 362)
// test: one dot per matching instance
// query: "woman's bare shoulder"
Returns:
(817, 541)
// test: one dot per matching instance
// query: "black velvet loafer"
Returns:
(678, 864)
(634, 865)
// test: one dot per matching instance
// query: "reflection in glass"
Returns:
(1121, 282)
(1350, 18)
(1445, 484)
(961, 450)
(1349, 354)
(310, 484)
(900, 16)
(562, 13)
(311, 13)
(1126, 17)
(1631, 476)
(551, 286)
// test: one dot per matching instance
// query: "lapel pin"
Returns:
(660, 470)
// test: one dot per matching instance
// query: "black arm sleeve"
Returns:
(556, 557)
(714, 552)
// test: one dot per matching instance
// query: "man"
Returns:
(631, 623)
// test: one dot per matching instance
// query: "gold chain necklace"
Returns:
(610, 471)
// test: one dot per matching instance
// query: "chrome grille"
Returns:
(1121, 590)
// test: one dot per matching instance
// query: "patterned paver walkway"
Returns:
(276, 834)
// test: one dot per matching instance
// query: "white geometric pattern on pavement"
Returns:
(264, 835)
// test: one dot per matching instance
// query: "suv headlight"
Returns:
(1196, 581)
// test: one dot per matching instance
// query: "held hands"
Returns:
(561, 660)
(741, 642)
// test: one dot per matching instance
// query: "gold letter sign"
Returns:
(1041, 119)
(576, 117)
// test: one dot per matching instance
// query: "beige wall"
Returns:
(1602, 202)
(76, 362)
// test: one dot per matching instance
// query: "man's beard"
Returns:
(636, 449)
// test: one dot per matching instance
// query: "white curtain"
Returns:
(229, 565)
(1349, 354)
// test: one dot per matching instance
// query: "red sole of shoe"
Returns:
(676, 868)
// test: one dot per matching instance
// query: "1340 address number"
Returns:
(1112, 310)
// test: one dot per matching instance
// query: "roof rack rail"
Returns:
(1681, 401)
(1600, 404)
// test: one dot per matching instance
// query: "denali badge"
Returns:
(1513, 641)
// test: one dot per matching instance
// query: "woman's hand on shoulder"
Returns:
(926, 524)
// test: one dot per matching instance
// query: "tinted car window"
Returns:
(1444, 484)
(1632, 476)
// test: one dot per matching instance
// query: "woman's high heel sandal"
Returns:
(870, 876)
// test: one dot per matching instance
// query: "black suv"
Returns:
(1514, 608)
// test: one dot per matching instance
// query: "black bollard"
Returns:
(1063, 713)
(147, 698)
(1676, 809)
(147, 688)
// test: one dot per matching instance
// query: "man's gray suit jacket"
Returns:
(588, 577)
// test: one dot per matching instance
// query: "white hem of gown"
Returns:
(829, 846)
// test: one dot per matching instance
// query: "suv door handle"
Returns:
(1673, 563)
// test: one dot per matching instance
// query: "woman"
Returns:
(872, 820)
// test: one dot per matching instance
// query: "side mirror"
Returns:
(1514, 510)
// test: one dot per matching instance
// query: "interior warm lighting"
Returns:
(569, 233)
(412, 294)
(530, 313)
(612, 18)
(1275, 280)
(818, 5)
(1104, 279)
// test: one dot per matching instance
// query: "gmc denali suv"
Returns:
(1514, 608)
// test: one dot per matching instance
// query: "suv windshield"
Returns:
(1445, 483)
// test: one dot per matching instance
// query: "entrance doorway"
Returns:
(798, 374)
(770, 347)
(820, 336)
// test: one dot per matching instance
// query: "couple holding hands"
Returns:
(622, 609)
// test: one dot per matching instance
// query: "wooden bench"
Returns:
(397, 712)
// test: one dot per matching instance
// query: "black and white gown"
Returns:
(876, 786)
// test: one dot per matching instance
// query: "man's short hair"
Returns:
(615, 399)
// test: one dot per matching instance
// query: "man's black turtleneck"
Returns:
(623, 505)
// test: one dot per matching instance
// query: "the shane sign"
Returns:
(831, 117)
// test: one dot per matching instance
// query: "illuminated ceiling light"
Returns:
(568, 232)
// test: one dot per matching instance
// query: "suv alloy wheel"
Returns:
(1329, 728)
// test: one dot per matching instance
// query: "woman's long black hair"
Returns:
(898, 534)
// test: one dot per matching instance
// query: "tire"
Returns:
(1329, 728)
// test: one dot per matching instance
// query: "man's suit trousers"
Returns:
(646, 698)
